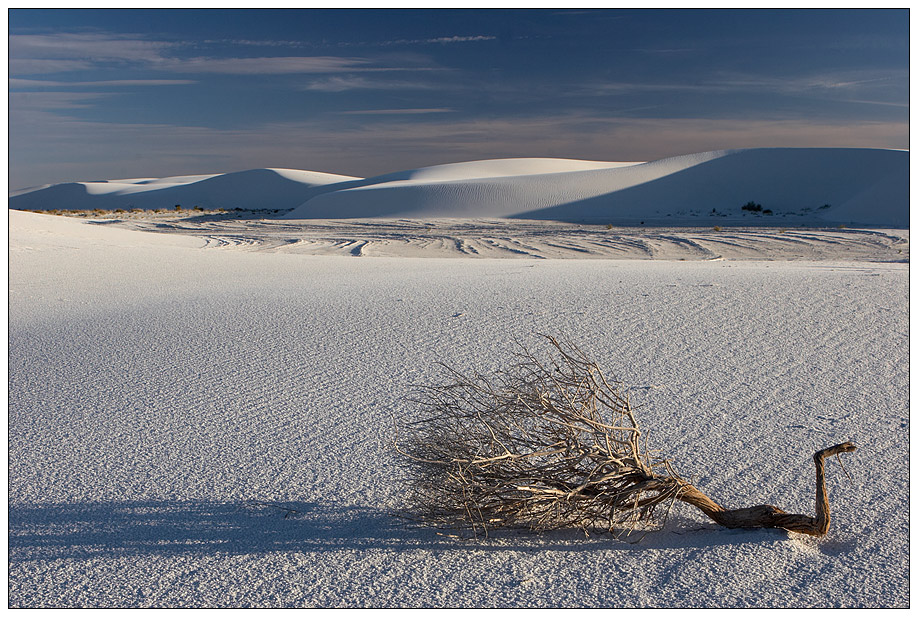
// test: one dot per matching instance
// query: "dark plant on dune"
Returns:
(551, 444)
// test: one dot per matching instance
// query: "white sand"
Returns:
(156, 386)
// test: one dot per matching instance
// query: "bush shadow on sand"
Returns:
(61, 531)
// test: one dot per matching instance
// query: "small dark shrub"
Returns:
(752, 207)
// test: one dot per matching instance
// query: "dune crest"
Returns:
(268, 188)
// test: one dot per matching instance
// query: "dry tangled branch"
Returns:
(553, 444)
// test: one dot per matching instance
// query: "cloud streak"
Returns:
(37, 66)
(397, 112)
(443, 40)
(352, 82)
(22, 104)
(270, 65)
(723, 82)
(91, 47)
(32, 54)
(39, 83)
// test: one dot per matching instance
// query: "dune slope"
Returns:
(273, 188)
(861, 186)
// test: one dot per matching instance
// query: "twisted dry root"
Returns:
(768, 516)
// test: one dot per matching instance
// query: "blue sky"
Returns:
(100, 94)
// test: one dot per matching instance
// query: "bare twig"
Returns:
(287, 511)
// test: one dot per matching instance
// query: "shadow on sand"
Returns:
(55, 531)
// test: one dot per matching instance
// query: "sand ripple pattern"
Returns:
(501, 238)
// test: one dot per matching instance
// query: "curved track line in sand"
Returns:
(491, 238)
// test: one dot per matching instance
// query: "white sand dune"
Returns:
(492, 168)
(270, 188)
(159, 390)
(861, 186)
(794, 186)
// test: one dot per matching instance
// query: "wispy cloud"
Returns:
(882, 103)
(32, 54)
(256, 42)
(397, 112)
(93, 47)
(665, 51)
(352, 82)
(440, 40)
(36, 66)
(840, 86)
(271, 65)
(604, 88)
(835, 80)
(22, 104)
(443, 40)
(40, 83)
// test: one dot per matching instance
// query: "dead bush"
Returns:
(549, 444)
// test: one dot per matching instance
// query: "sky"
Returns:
(105, 94)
